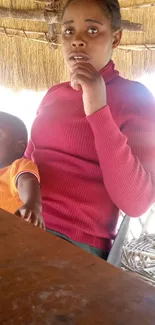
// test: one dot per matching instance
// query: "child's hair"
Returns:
(16, 126)
(112, 9)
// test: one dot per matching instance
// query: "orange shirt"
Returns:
(9, 197)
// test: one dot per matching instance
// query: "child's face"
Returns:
(87, 35)
(10, 149)
(6, 146)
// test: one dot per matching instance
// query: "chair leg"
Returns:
(115, 254)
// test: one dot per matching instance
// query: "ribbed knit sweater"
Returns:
(91, 167)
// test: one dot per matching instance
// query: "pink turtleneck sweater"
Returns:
(90, 167)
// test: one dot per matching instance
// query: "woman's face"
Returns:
(87, 35)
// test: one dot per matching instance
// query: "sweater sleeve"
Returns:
(127, 154)
(19, 167)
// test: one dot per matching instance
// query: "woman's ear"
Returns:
(116, 38)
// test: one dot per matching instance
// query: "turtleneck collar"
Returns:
(108, 72)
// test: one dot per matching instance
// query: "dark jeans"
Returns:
(92, 250)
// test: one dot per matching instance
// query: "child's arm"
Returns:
(29, 193)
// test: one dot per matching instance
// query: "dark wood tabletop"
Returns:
(47, 281)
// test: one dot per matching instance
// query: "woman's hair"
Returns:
(110, 7)
(17, 126)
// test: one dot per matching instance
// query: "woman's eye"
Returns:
(92, 31)
(69, 31)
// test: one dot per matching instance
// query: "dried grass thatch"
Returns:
(30, 64)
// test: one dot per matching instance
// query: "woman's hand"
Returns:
(85, 76)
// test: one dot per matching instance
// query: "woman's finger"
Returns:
(78, 81)
(86, 66)
(80, 76)
(83, 72)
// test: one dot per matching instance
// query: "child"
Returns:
(97, 155)
(19, 177)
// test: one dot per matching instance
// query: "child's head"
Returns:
(91, 28)
(13, 139)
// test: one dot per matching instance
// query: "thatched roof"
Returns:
(31, 64)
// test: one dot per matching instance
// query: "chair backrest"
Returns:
(115, 254)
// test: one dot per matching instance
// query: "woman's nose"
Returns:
(78, 43)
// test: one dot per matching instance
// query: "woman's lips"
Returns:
(79, 56)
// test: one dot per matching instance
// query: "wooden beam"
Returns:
(52, 34)
(41, 37)
(131, 27)
(14, 31)
(139, 6)
(136, 6)
(52, 17)
(46, 2)
(137, 47)
(34, 15)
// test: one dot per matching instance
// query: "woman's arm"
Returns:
(127, 157)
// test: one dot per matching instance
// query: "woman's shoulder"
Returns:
(133, 89)
(133, 94)
(130, 98)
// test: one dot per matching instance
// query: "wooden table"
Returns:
(47, 281)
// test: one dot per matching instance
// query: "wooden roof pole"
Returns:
(52, 17)
(128, 26)
(35, 15)
(140, 5)
(136, 6)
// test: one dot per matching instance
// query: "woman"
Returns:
(93, 138)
